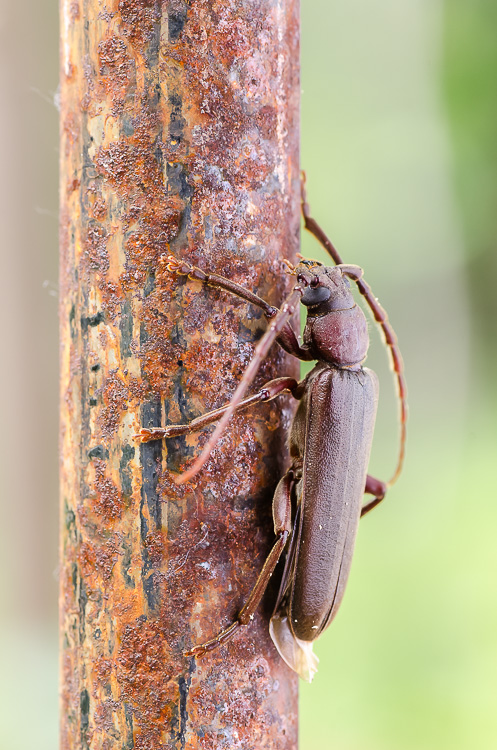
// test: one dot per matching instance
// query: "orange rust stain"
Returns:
(115, 397)
(98, 558)
(74, 12)
(138, 18)
(96, 247)
(109, 502)
(71, 130)
(144, 684)
(115, 68)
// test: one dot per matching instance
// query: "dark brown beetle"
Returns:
(318, 502)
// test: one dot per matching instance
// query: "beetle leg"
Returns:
(282, 516)
(183, 268)
(373, 487)
(264, 344)
(289, 342)
(287, 338)
(268, 392)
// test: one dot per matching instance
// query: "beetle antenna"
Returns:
(380, 317)
(275, 327)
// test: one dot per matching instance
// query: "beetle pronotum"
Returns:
(318, 502)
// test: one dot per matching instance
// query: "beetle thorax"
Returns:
(336, 328)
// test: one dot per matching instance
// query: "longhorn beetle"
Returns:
(318, 502)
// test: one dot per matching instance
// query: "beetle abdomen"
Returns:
(341, 411)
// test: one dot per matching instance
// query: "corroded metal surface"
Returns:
(179, 125)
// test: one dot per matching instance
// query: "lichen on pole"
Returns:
(179, 134)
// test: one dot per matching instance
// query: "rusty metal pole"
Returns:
(179, 132)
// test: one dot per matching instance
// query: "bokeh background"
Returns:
(399, 123)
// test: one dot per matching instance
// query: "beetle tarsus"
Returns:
(204, 648)
(145, 435)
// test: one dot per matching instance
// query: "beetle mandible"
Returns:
(318, 502)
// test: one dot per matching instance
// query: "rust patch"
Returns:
(108, 502)
(115, 397)
(96, 247)
(115, 68)
(98, 559)
(139, 20)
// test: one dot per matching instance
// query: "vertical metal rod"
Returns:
(179, 133)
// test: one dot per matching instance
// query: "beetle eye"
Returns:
(314, 282)
(316, 296)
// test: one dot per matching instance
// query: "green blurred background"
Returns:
(399, 123)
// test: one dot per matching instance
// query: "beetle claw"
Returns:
(181, 267)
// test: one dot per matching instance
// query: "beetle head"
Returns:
(327, 288)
